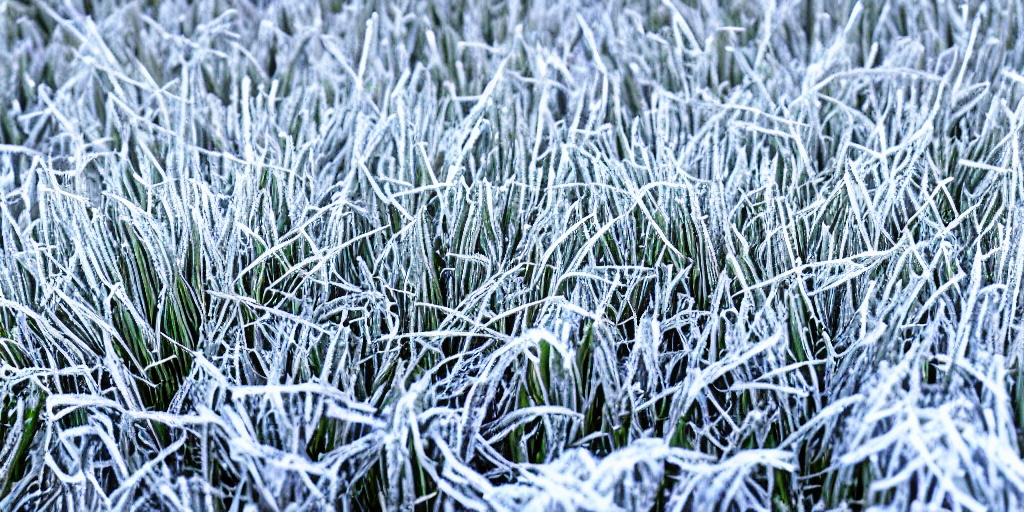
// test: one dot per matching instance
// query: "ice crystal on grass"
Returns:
(502, 255)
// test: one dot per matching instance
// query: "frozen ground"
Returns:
(504, 255)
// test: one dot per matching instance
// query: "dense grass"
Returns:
(679, 255)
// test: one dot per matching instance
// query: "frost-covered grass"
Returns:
(500, 255)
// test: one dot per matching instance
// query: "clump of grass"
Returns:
(511, 255)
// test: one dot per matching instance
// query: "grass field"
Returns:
(685, 255)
